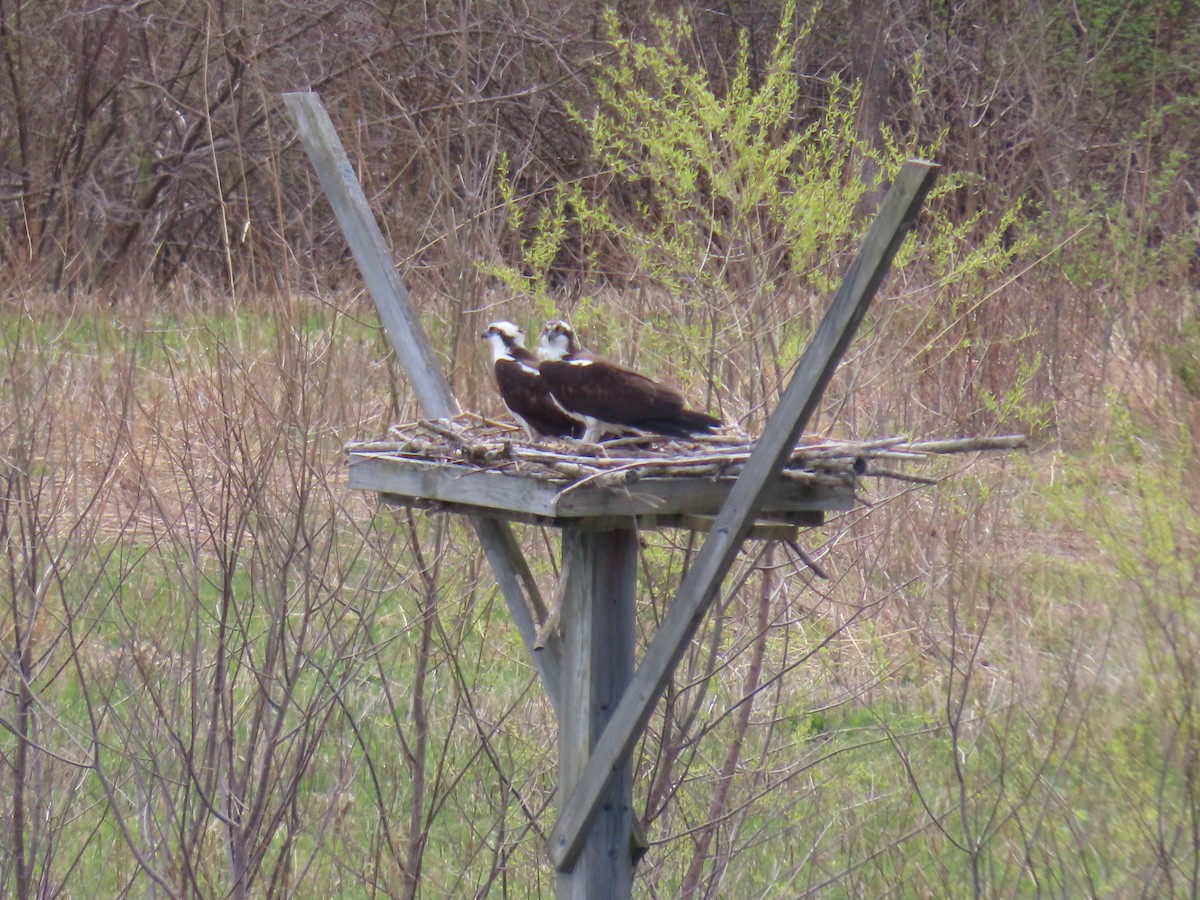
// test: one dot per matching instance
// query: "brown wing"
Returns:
(609, 392)
(527, 397)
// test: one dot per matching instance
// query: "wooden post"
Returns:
(597, 656)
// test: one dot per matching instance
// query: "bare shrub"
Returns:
(60, 423)
(228, 676)
(145, 142)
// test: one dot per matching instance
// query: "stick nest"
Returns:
(477, 443)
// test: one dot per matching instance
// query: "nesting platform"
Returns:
(473, 466)
(476, 466)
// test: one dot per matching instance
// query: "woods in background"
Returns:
(144, 142)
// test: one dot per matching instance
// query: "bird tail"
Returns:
(700, 421)
(683, 424)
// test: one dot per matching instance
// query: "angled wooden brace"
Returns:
(416, 355)
(703, 579)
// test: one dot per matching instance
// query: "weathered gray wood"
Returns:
(703, 579)
(349, 203)
(502, 492)
(768, 527)
(450, 484)
(415, 354)
(598, 613)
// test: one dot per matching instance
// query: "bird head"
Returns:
(504, 337)
(557, 341)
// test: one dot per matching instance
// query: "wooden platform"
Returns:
(470, 465)
(482, 469)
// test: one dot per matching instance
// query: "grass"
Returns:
(227, 653)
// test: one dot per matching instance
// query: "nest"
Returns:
(479, 444)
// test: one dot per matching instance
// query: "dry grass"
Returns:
(210, 636)
(224, 674)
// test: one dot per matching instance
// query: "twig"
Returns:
(475, 442)
(902, 476)
(972, 445)
(808, 560)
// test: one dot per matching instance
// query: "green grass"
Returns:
(1071, 771)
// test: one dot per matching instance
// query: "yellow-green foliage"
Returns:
(743, 205)
(531, 278)
(737, 187)
(735, 191)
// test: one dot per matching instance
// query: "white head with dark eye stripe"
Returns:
(504, 337)
(557, 341)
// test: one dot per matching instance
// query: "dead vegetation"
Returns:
(224, 673)
(473, 443)
(210, 635)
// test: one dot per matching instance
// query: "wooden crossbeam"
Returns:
(415, 354)
(703, 579)
(495, 493)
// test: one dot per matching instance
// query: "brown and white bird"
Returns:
(609, 397)
(521, 386)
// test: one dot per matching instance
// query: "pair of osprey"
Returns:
(564, 391)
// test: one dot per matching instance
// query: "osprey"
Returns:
(609, 397)
(522, 388)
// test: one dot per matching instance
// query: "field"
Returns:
(234, 675)
(225, 674)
